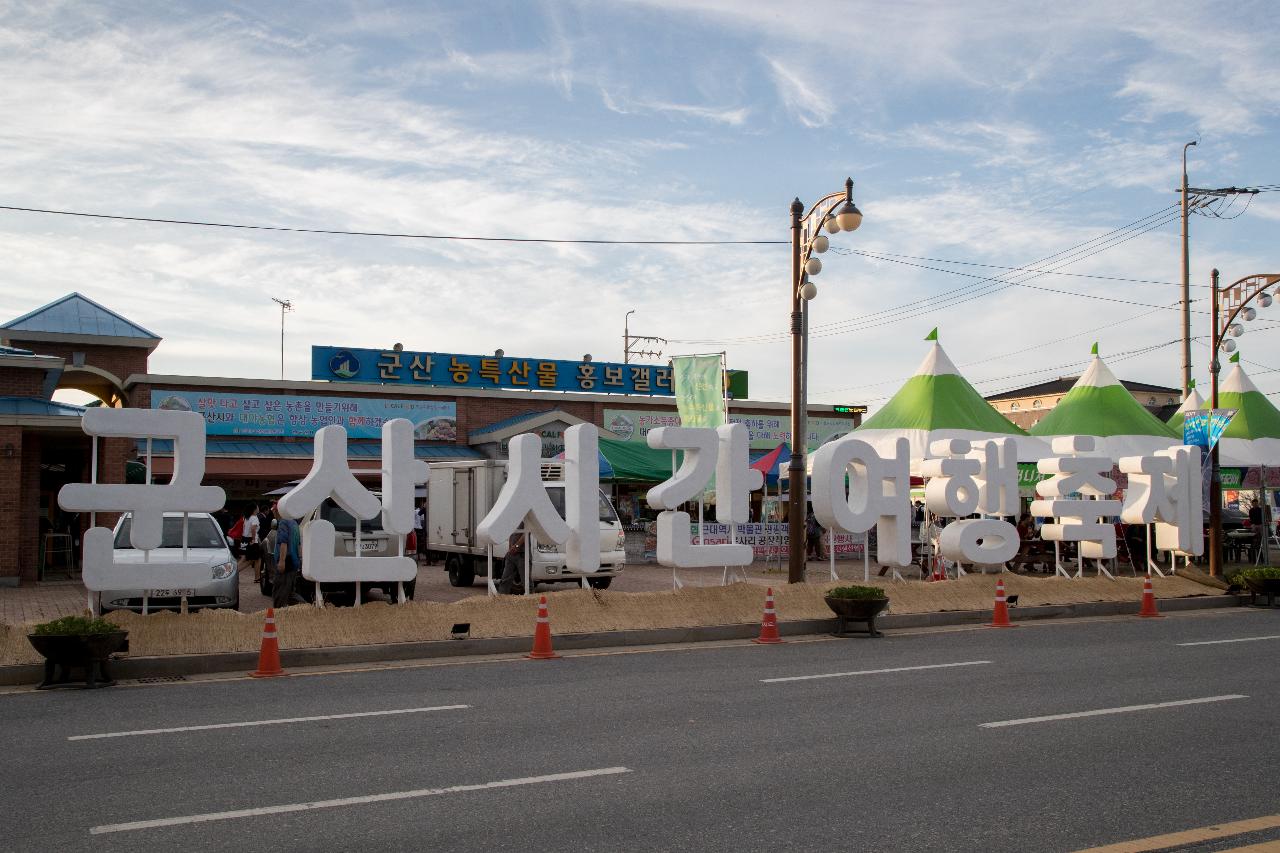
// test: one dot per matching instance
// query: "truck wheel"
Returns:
(600, 583)
(460, 571)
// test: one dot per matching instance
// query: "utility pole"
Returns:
(629, 341)
(1186, 284)
(285, 306)
(1199, 200)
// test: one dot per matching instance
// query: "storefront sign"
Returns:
(454, 370)
(767, 431)
(280, 415)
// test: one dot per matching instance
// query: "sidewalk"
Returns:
(38, 602)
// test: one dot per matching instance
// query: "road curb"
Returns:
(176, 665)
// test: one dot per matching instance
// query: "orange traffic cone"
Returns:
(1148, 598)
(542, 634)
(769, 624)
(1000, 615)
(269, 654)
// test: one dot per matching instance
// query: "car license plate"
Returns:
(170, 593)
(369, 545)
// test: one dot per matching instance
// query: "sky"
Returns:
(981, 136)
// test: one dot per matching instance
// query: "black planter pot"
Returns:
(1270, 587)
(863, 610)
(88, 652)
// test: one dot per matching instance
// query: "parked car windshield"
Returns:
(606, 509)
(343, 522)
(201, 533)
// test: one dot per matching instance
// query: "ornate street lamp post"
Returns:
(833, 213)
(1235, 300)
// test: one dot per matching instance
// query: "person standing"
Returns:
(253, 543)
(288, 560)
(512, 564)
(419, 523)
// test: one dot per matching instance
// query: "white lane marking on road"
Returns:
(1236, 640)
(1103, 711)
(354, 801)
(278, 722)
(874, 671)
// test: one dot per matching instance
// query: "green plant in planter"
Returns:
(69, 626)
(857, 593)
(1241, 579)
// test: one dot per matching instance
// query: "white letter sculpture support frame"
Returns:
(1165, 492)
(331, 477)
(146, 503)
(879, 495)
(722, 452)
(1077, 520)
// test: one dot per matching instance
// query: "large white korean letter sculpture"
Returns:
(523, 499)
(1164, 489)
(959, 485)
(878, 496)
(146, 503)
(582, 497)
(331, 477)
(722, 452)
(1078, 519)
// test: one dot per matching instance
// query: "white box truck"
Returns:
(459, 496)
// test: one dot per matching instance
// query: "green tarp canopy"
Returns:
(634, 462)
(1098, 405)
(935, 404)
(1253, 436)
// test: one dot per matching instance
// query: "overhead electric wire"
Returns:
(964, 294)
(1009, 354)
(407, 236)
(889, 255)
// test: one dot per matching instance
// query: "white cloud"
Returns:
(800, 95)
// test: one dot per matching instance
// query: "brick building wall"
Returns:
(22, 383)
(11, 504)
(120, 361)
(29, 513)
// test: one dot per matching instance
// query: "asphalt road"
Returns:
(680, 749)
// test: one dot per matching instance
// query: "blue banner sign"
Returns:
(392, 367)
(281, 415)
(1195, 429)
(1203, 428)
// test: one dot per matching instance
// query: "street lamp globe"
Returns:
(821, 243)
(1228, 346)
(1265, 300)
(1249, 313)
(808, 290)
(833, 226)
(849, 217)
(813, 266)
(1235, 330)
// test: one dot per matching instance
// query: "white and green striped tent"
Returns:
(1194, 402)
(1098, 405)
(935, 404)
(1253, 436)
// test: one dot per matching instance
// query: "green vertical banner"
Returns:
(699, 390)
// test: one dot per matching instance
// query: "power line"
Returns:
(960, 295)
(890, 255)
(339, 232)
